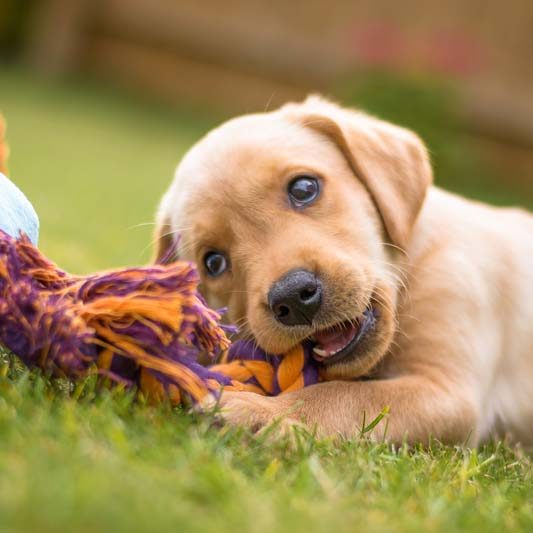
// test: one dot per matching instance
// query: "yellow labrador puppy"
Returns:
(321, 223)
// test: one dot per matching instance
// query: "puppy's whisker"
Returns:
(400, 279)
(142, 225)
(395, 247)
(155, 223)
(396, 269)
(242, 323)
(153, 243)
(173, 233)
(384, 302)
(269, 101)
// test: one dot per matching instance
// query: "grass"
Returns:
(99, 460)
(95, 162)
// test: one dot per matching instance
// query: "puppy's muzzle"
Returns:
(295, 299)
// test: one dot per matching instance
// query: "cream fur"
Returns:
(454, 355)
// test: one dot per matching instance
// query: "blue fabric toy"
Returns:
(16, 212)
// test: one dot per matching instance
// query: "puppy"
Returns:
(315, 222)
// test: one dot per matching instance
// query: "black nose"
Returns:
(295, 299)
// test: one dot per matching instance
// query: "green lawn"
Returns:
(95, 162)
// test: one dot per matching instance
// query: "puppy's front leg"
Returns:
(419, 409)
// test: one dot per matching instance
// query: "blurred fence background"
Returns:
(459, 72)
(240, 55)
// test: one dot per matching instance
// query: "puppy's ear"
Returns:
(165, 250)
(391, 162)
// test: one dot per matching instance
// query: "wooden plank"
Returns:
(56, 35)
(174, 78)
(226, 33)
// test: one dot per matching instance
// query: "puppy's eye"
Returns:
(215, 263)
(303, 190)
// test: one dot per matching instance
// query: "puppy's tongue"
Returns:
(333, 340)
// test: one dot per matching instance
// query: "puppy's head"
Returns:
(295, 218)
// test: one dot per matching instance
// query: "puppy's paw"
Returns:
(263, 415)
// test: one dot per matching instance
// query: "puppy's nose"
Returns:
(295, 299)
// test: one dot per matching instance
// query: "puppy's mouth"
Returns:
(343, 339)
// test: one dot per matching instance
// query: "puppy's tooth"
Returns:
(319, 351)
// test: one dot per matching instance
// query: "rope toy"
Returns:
(139, 326)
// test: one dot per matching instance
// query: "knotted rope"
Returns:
(144, 327)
